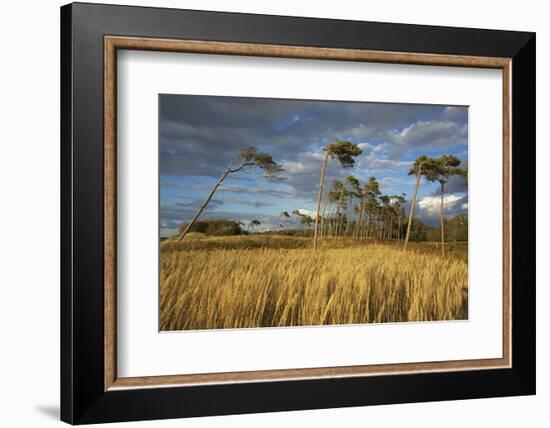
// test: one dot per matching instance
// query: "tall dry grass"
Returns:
(204, 286)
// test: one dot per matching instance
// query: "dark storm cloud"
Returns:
(200, 134)
(256, 204)
(231, 188)
(454, 184)
(256, 190)
(195, 203)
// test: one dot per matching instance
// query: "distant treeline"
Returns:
(348, 208)
(215, 227)
(456, 229)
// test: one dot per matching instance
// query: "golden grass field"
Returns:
(272, 281)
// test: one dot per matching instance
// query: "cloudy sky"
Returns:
(200, 134)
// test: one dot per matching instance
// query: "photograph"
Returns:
(288, 212)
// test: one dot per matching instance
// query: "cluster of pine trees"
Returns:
(379, 216)
(354, 209)
(369, 213)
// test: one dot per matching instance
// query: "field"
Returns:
(272, 281)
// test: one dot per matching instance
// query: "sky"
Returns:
(199, 136)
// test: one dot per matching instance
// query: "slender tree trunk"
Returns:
(442, 219)
(357, 233)
(321, 181)
(377, 229)
(348, 222)
(204, 204)
(371, 231)
(323, 216)
(361, 226)
(339, 216)
(399, 228)
(331, 227)
(413, 203)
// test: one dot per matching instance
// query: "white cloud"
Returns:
(374, 148)
(371, 164)
(365, 146)
(429, 205)
(307, 162)
(425, 135)
(309, 213)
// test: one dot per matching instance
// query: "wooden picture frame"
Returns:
(91, 390)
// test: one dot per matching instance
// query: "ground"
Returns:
(273, 281)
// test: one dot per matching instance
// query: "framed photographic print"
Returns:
(265, 213)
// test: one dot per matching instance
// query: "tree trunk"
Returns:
(204, 204)
(413, 203)
(348, 220)
(339, 216)
(399, 228)
(337, 223)
(376, 226)
(322, 216)
(321, 181)
(442, 219)
(356, 229)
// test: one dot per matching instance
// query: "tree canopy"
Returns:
(249, 160)
(344, 151)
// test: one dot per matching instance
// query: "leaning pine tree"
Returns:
(245, 160)
(444, 167)
(423, 166)
(345, 152)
